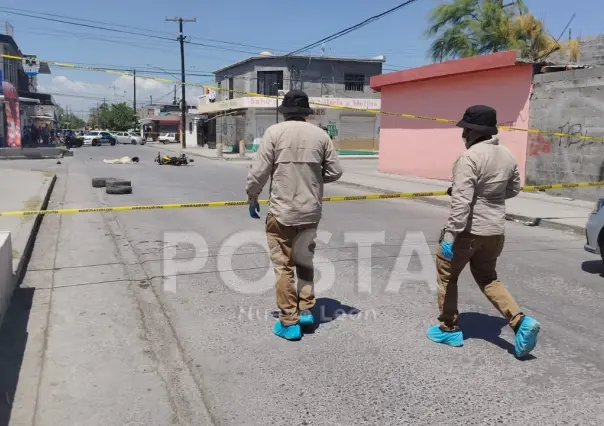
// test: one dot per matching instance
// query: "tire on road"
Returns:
(118, 182)
(100, 182)
(119, 190)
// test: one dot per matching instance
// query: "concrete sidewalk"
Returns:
(530, 208)
(23, 190)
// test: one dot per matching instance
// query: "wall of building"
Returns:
(317, 77)
(10, 67)
(592, 51)
(570, 102)
(428, 149)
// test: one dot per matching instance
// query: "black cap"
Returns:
(295, 102)
(480, 118)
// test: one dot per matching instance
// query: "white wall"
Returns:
(191, 136)
(7, 283)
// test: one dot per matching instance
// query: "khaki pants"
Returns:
(292, 247)
(481, 252)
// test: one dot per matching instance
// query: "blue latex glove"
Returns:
(446, 249)
(254, 210)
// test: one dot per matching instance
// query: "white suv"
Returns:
(129, 138)
(167, 138)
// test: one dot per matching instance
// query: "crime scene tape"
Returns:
(245, 203)
(341, 107)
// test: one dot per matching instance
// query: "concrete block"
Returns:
(7, 282)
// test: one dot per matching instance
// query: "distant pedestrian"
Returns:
(484, 176)
(299, 158)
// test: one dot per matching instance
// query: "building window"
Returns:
(354, 82)
(231, 87)
(270, 82)
(190, 127)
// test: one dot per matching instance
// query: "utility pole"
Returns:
(134, 101)
(183, 111)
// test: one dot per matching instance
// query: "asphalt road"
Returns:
(123, 348)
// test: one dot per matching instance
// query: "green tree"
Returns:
(116, 117)
(122, 116)
(68, 120)
(464, 28)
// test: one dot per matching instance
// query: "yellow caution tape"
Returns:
(245, 203)
(341, 107)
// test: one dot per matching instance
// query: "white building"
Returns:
(246, 118)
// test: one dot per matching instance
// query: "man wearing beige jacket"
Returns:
(299, 158)
(484, 176)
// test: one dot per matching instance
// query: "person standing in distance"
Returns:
(484, 176)
(299, 158)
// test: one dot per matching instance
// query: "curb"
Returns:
(524, 220)
(29, 245)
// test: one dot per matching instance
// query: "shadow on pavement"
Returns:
(13, 339)
(593, 267)
(486, 327)
(328, 310)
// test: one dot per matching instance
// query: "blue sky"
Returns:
(278, 26)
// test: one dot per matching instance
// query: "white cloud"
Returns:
(86, 94)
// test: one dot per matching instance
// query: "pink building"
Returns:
(428, 149)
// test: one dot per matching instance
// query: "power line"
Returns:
(97, 27)
(136, 28)
(351, 29)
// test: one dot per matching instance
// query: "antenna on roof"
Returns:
(323, 49)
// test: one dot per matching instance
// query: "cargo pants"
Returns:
(292, 248)
(481, 252)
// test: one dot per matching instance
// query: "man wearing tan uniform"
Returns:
(299, 158)
(484, 176)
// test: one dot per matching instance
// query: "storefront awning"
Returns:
(43, 98)
(163, 119)
(24, 100)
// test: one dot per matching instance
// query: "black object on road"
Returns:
(166, 160)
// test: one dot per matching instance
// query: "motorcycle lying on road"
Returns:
(166, 160)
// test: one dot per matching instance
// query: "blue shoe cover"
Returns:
(451, 338)
(306, 318)
(526, 337)
(288, 332)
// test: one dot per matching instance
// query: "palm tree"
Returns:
(466, 28)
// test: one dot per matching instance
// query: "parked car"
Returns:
(167, 138)
(594, 230)
(129, 138)
(99, 138)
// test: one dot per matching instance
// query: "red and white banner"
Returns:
(13, 122)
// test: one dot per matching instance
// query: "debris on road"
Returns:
(123, 160)
(99, 182)
(115, 190)
(118, 182)
(113, 185)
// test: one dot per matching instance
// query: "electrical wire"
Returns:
(351, 29)
(97, 27)
(72, 18)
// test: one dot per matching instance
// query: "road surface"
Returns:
(124, 346)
